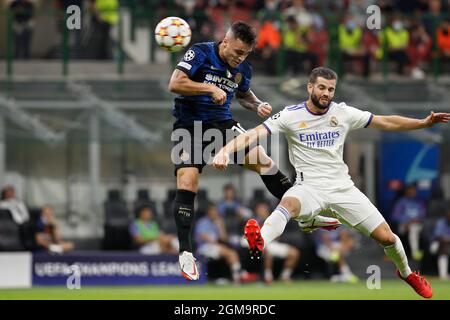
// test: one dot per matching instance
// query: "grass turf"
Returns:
(298, 290)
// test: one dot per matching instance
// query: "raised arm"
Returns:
(222, 159)
(398, 123)
(181, 84)
(249, 101)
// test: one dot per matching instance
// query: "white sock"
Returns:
(286, 274)
(236, 271)
(274, 225)
(397, 254)
(413, 236)
(443, 266)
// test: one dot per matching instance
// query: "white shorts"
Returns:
(278, 249)
(350, 206)
(210, 250)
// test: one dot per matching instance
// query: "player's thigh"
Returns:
(353, 208)
(303, 202)
(187, 151)
(187, 178)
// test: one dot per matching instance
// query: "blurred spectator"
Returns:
(148, 237)
(351, 45)
(419, 49)
(397, 39)
(433, 17)
(16, 206)
(105, 16)
(23, 12)
(196, 13)
(318, 40)
(295, 41)
(230, 205)
(297, 10)
(269, 41)
(47, 234)
(441, 244)
(409, 213)
(443, 40)
(211, 237)
(276, 249)
(333, 247)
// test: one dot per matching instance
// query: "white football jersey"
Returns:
(316, 141)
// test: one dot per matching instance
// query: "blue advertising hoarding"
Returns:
(109, 268)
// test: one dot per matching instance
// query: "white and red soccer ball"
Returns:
(173, 34)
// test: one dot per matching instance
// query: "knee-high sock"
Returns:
(274, 225)
(276, 182)
(397, 254)
(183, 211)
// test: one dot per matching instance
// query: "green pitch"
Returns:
(298, 290)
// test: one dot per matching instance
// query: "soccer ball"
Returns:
(173, 34)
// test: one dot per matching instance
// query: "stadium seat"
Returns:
(117, 221)
(143, 199)
(9, 233)
(168, 203)
(202, 203)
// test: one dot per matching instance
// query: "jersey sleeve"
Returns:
(278, 122)
(244, 84)
(358, 118)
(192, 60)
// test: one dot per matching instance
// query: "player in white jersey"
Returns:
(315, 131)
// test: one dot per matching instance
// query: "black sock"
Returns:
(277, 183)
(183, 211)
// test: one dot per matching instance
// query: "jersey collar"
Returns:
(315, 113)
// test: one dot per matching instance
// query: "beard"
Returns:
(316, 102)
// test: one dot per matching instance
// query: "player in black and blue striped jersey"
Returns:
(206, 80)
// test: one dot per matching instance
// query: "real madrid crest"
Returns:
(334, 121)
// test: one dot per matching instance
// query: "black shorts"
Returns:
(193, 147)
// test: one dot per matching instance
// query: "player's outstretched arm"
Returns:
(249, 101)
(181, 84)
(398, 123)
(222, 158)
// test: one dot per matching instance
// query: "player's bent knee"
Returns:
(292, 205)
(387, 239)
(187, 179)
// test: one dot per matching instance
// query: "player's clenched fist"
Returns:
(218, 96)
(264, 109)
(221, 161)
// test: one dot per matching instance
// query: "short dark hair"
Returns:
(323, 72)
(244, 32)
